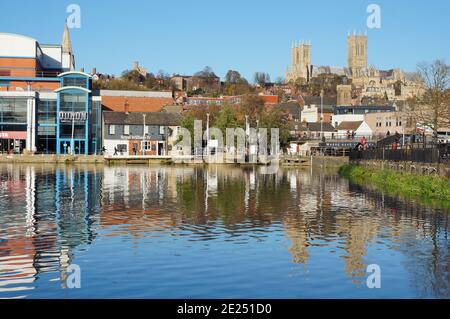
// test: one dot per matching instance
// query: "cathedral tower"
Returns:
(300, 62)
(357, 54)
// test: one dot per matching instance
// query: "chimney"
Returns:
(82, 70)
(94, 70)
(126, 106)
(135, 65)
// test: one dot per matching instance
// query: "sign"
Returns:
(69, 117)
(13, 135)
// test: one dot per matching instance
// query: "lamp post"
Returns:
(143, 135)
(73, 133)
(247, 133)
(207, 134)
(321, 113)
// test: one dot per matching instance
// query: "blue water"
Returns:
(217, 232)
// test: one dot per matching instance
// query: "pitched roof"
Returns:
(293, 108)
(349, 126)
(316, 100)
(316, 127)
(137, 118)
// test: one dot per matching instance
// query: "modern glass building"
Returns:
(78, 115)
(46, 106)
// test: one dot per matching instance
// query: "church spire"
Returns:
(65, 42)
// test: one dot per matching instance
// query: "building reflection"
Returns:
(52, 216)
(59, 211)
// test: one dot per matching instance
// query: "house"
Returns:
(355, 129)
(356, 113)
(140, 133)
(314, 113)
(314, 130)
(388, 122)
(135, 101)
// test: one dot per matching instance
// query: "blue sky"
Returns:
(184, 36)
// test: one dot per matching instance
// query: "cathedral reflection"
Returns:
(59, 211)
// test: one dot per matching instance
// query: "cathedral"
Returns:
(364, 81)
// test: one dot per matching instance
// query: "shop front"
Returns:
(12, 142)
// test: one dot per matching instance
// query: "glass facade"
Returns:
(46, 126)
(69, 123)
(78, 117)
(13, 114)
(13, 124)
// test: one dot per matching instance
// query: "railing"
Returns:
(437, 154)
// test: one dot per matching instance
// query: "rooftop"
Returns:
(137, 118)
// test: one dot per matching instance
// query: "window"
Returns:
(161, 130)
(75, 81)
(112, 130)
(145, 130)
(13, 111)
(126, 130)
(147, 145)
(122, 147)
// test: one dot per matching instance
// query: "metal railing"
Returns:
(437, 154)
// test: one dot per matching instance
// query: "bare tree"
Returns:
(432, 109)
(261, 78)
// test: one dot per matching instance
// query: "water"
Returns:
(220, 232)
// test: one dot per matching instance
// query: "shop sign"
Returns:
(79, 117)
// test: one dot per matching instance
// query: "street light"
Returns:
(207, 134)
(321, 113)
(143, 136)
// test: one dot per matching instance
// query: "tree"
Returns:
(133, 76)
(253, 106)
(227, 118)
(276, 118)
(261, 78)
(235, 84)
(432, 109)
(232, 77)
(206, 80)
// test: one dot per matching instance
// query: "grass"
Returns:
(429, 190)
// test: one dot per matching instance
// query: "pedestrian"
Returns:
(115, 150)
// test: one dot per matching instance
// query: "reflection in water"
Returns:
(180, 231)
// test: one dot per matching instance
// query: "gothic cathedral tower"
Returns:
(300, 62)
(357, 54)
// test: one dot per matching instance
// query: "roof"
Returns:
(349, 126)
(172, 109)
(316, 127)
(327, 100)
(293, 108)
(123, 93)
(137, 118)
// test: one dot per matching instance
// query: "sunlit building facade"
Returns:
(45, 105)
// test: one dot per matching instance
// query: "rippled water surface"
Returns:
(187, 232)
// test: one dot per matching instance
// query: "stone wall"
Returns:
(425, 169)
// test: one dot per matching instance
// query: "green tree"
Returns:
(227, 118)
(276, 118)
